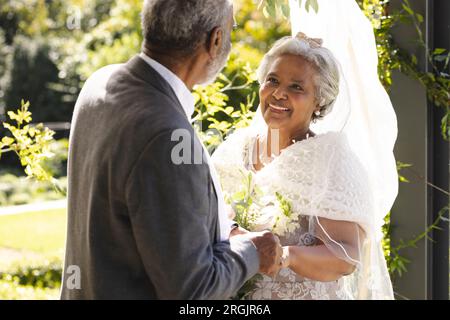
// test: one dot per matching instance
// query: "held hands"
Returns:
(270, 252)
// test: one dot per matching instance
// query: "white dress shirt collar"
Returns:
(187, 101)
(181, 91)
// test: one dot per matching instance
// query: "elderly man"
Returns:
(142, 225)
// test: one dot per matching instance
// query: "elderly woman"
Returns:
(328, 236)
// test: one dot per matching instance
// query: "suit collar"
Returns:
(179, 87)
(145, 72)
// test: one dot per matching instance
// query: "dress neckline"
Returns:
(251, 145)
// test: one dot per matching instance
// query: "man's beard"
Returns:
(214, 68)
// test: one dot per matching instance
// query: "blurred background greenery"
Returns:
(47, 50)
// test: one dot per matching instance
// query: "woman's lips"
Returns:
(278, 109)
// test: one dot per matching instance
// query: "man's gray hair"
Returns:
(182, 25)
(327, 67)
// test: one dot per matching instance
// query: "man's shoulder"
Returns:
(104, 74)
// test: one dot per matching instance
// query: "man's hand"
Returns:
(269, 250)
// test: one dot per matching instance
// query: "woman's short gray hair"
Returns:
(324, 62)
(181, 25)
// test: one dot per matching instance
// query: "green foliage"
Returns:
(256, 32)
(10, 291)
(29, 142)
(243, 201)
(22, 17)
(47, 274)
(247, 204)
(56, 165)
(115, 38)
(250, 203)
(400, 166)
(437, 83)
(16, 190)
(392, 57)
(277, 8)
(31, 279)
(248, 286)
(397, 263)
(31, 253)
(29, 72)
(36, 38)
(213, 111)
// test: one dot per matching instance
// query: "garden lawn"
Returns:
(40, 232)
(28, 243)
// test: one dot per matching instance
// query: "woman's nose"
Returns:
(279, 94)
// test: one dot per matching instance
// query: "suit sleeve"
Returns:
(169, 207)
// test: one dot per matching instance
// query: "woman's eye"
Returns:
(272, 80)
(297, 87)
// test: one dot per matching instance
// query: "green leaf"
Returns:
(444, 123)
(228, 110)
(25, 105)
(407, 9)
(271, 9)
(419, 17)
(7, 141)
(315, 5)
(285, 10)
(438, 51)
(307, 5)
(440, 58)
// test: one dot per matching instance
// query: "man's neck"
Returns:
(184, 68)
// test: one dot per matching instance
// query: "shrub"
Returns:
(29, 74)
(16, 190)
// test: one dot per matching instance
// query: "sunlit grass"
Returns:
(41, 232)
(30, 240)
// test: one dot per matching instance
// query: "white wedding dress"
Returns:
(322, 179)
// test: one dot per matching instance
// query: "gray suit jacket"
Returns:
(140, 226)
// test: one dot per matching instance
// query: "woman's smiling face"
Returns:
(287, 95)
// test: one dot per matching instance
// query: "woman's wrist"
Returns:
(237, 230)
(285, 259)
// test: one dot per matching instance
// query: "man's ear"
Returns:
(214, 43)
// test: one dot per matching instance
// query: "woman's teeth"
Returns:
(278, 108)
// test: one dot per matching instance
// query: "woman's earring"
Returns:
(317, 113)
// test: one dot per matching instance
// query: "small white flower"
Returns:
(266, 218)
(268, 200)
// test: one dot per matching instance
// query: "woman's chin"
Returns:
(277, 124)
